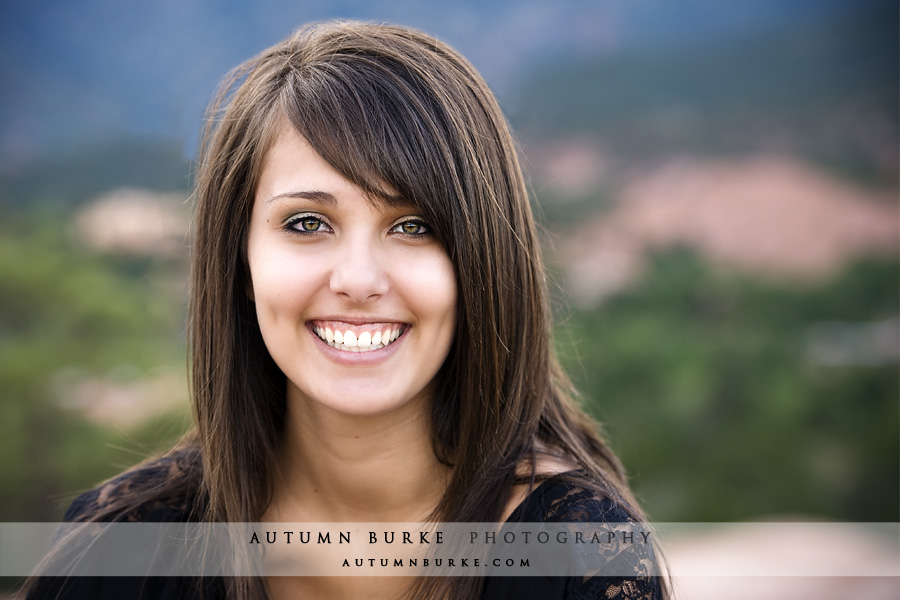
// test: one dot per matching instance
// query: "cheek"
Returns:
(282, 284)
(431, 289)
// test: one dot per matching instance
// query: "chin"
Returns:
(358, 401)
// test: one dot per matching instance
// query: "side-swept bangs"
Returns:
(400, 119)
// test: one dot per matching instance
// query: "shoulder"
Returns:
(161, 490)
(570, 497)
(628, 570)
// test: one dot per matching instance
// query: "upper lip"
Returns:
(360, 320)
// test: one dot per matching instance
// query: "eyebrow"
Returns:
(314, 195)
(329, 199)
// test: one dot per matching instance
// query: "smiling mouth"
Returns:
(358, 338)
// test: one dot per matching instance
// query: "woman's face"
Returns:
(356, 301)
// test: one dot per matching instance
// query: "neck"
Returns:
(339, 467)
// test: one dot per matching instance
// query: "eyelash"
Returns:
(422, 225)
(294, 223)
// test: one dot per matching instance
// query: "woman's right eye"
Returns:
(306, 224)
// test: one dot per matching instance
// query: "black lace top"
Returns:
(558, 499)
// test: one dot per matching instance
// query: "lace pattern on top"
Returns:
(107, 502)
(558, 499)
(562, 499)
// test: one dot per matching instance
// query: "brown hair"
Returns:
(390, 109)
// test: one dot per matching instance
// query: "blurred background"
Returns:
(718, 184)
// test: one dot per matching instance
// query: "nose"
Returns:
(359, 274)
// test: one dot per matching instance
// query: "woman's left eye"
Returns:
(413, 227)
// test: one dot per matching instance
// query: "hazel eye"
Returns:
(306, 224)
(413, 227)
(309, 224)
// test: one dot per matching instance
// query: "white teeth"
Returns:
(347, 340)
(365, 339)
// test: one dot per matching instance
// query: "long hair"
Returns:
(393, 111)
(389, 108)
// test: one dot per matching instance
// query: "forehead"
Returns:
(291, 164)
(291, 161)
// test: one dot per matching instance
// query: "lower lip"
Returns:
(369, 357)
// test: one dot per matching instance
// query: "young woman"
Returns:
(370, 332)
